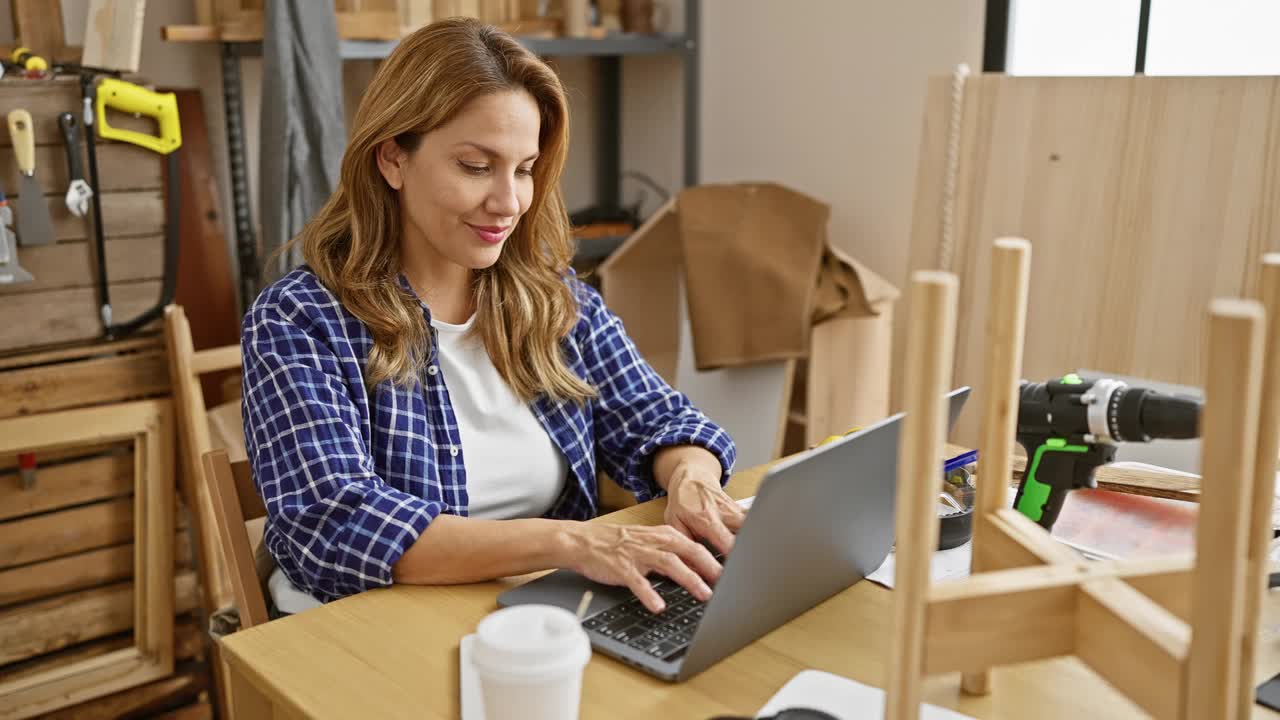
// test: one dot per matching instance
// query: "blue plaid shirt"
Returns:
(352, 477)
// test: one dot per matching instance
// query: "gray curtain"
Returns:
(302, 127)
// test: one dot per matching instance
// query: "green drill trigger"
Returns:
(1034, 493)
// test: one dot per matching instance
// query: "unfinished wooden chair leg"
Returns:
(1259, 540)
(1006, 324)
(1233, 386)
(930, 353)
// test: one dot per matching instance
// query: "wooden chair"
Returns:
(236, 502)
(194, 439)
(185, 368)
(1174, 634)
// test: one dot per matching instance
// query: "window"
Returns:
(1072, 37)
(1120, 37)
(1213, 37)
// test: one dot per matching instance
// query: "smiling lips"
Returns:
(491, 234)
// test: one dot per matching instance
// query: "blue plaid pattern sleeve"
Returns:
(636, 411)
(334, 526)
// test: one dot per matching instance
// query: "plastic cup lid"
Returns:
(531, 640)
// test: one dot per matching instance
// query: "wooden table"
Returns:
(393, 653)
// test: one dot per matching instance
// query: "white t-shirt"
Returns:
(514, 469)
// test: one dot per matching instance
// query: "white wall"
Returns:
(826, 96)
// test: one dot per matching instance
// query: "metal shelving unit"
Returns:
(607, 51)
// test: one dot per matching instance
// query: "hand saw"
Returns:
(113, 93)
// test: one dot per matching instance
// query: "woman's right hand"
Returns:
(625, 554)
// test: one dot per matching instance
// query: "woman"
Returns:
(427, 398)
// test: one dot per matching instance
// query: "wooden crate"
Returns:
(71, 575)
(61, 305)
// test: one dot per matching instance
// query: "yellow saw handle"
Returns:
(126, 97)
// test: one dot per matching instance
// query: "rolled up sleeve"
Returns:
(636, 412)
(334, 527)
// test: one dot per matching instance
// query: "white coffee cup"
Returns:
(529, 659)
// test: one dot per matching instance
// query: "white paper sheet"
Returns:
(841, 697)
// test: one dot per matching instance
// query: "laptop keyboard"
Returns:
(664, 636)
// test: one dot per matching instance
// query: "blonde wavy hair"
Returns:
(524, 305)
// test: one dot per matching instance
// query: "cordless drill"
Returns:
(1071, 427)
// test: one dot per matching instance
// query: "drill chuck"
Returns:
(1105, 410)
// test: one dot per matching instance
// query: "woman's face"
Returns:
(469, 181)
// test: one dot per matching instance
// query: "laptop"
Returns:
(820, 522)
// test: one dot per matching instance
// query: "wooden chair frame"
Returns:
(149, 424)
(185, 368)
(235, 501)
(1170, 633)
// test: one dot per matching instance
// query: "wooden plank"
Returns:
(1230, 432)
(193, 428)
(1134, 643)
(1134, 481)
(369, 25)
(67, 265)
(141, 701)
(1002, 617)
(1032, 538)
(138, 212)
(930, 350)
(67, 483)
(188, 638)
(195, 711)
(154, 606)
(1166, 580)
(109, 379)
(414, 14)
(1258, 539)
(48, 625)
(80, 571)
(204, 12)
(80, 351)
(9, 462)
(205, 284)
(51, 535)
(1006, 327)
(219, 358)
(835, 402)
(124, 167)
(37, 24)
(190, 33)
(96, 677)
(113, 34)
(56, 316)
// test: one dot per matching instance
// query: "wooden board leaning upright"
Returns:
(1031, 598)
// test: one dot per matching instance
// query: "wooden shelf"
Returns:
(541, 36)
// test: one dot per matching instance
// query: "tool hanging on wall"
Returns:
(24, 58)
(34, 225)
(78, 191)
(11, 273)
(126, 97)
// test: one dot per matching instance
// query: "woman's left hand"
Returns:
(698, 507)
